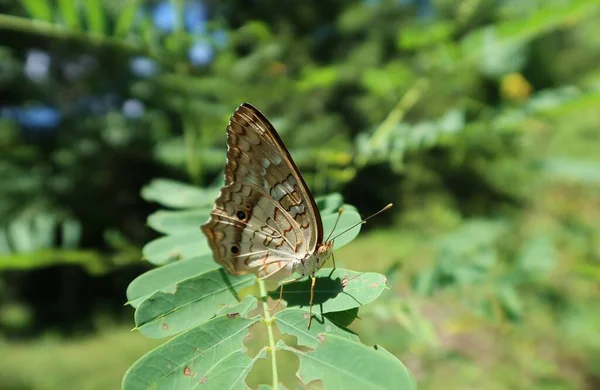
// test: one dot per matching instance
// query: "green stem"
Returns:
(410, 98)
(269, 322)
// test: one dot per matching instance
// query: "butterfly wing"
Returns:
(265, 217)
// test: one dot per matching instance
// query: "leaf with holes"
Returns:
(241, 309)
(164, 278)
(209, 356)
(194, 301)
(293, 322)
(341, 363)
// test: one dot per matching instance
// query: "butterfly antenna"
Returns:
(340, 210)
(364, 220)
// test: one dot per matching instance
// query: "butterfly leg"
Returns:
(281, 291)
(312, 294)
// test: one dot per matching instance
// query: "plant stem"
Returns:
(269, 323)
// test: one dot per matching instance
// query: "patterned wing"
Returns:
(265, 217)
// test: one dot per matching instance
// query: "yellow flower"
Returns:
(515, 87)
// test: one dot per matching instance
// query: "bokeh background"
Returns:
(478, 119)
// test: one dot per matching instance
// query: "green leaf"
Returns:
(194, 301)
(69, 13)
(95, 16)
(295, 323)
(44, 226)
(176, 222)
(209, 356)
(164, 278)
(343, 318)
(38, 9)
(572, 170)
(71, 234)
(420, 35)
(335, 290)
(346, 364)
(244, 307)
(349, 218)
(538, 257)
(509, 38)
(21, 235)
(329, 203)
(169, 249)
(510, 301)
(126, 18)
(175, 194)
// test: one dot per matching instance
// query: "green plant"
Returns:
(213, 312)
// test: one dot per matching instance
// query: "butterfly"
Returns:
(265, 220)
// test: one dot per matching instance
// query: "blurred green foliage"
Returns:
(478, 119)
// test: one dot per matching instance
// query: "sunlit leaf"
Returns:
(177, 222)
(329, 203)
(209, 356)
(341, 363)
(193, 301)
(69, 12)
(168, 249)
(295, 322)
(165, 278)
(38, 9)
(244, 307)
(126, 18)
(175, 194)
(349, 218)
(572, 170)
(335, 290)
(95, 17)
(538, 257)
(21, 235)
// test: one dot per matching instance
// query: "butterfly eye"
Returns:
(235, 249)
(241, 215)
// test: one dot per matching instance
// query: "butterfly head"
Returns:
(325, 250)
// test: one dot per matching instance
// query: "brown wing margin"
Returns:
(279, 144)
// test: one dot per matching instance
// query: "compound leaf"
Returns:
(169, 249)
(177, 222)
(294, 322)
(335, 290)
(241, 309)
(209, 356)
(341, 363)
(194, 301)
(165, 278)
(176, 194)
